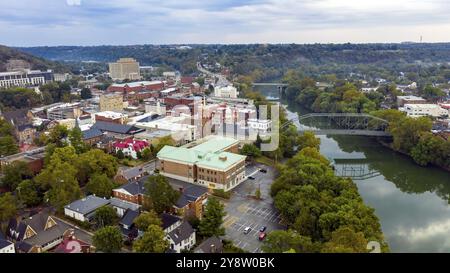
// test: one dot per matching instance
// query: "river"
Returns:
(412, 202)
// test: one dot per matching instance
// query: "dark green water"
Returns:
(412, 202)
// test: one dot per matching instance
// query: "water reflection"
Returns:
(411, 201)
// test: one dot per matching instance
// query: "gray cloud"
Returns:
(86, 22)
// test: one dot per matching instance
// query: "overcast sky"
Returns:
(124, 22)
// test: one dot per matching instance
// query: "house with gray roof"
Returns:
(84, 209)
(182, 237)
(211, 245)
(41, 232)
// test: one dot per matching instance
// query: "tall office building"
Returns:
(125, 69)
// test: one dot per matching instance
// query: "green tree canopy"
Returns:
(100, 185)
(146, 219)
(8, 206)
(152, 241)
(161, 195)
(211, 223)
(108, 239)
(105, 216)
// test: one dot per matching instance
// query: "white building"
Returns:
(179, 233)
(261, 126)
(155, 108)
(420, 110)
(84, 209)
(225, 91)
(180, 127)
(25, 78)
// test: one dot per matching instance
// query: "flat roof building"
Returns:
(125, 69)
(212, 164)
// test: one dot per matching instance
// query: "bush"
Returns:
(221, 193)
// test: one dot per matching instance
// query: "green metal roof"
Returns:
(207, 155)
(220, 161)
(215, 144)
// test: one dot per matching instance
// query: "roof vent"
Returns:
(223, 157)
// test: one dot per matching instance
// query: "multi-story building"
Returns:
(110, 116)
(25, 78)
(126, 88)
(111, 102)
(225, 91)
(420, 110)
(402, 100)
(213, 163)
(62, 111)
(125, 69)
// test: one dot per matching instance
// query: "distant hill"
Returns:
(11, 58)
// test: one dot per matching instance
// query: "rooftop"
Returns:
(88, 204)
(137, 84)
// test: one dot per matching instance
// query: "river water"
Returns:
(412, 202)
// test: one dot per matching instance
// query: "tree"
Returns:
(406, 132)
(28, 192)
(279, 241)
(161, 195)
(345, 240)
(211, 223)
(107, 239)
(8, 146)
(146, 219)
(308, 139)
(76, 140)
(152, 241)
(86, 93)
(95, 161)
(167, 140)
(14, 173)
(8, 207)
(250, 150)
(146, 154)
(106, 216)
(100, 185)
(57, 135)
(120, 154)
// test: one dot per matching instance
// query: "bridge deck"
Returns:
(347, 132)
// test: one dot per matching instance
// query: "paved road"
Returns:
(244, 211)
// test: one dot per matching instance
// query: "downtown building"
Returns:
(25, 78)
(125, 69)
(213, 163)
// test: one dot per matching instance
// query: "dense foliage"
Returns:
(315, 204)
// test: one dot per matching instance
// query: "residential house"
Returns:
(132, 192)
(127, 226)
(41, 232)
(181, 236)
(130, 147)
(211, 245)
(121, 206)
(117, 129)
(5, 245)
(25, 133)
(71, 244)
(192, 199)
(84, 209)
(126, 175)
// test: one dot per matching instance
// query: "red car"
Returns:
(262, 235)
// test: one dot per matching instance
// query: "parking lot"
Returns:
(244, 211)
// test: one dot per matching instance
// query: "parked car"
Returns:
(262, 235)
(263, 170)
(247, 230)
(262, 229)
(251, 178)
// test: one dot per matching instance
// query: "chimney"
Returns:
(213, 248)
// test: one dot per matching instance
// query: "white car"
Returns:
(247, 230)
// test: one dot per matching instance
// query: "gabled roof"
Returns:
(91, 133)
(87, 205)
(168, 220)
(4, 243)
(189, 194)
(128, 217)
(181, 233)
(210, 245)
(116, 128)
(134, 187)
(115, 202)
